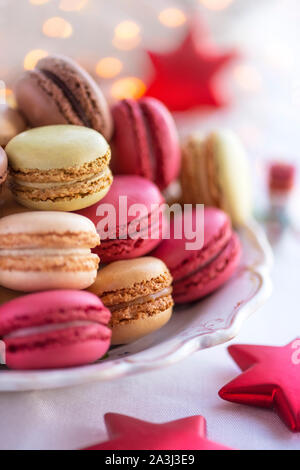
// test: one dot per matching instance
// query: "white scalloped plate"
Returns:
(212, 321)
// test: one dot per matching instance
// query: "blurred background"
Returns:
(110, 38)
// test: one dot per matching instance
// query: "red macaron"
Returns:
(54, 329)
(145, 141)
(198, 272)
(129, 219)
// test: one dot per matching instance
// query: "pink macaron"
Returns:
(145, 141)
(54, 329)
(200, 271)
(129, 219)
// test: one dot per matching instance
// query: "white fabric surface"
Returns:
(72, 418)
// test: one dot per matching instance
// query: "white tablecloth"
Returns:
(72, 418)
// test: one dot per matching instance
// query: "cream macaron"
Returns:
(215, 172)
(138, 292)
(47, 250)
(62, 167)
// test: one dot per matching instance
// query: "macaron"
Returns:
(3, 167)
(12, 123)
(126, 232)
(201, 269)
(59, 91)
(47, 250)
(54, 329)
(61, 167)
(138, 293)
(145, 141)
(215, 172)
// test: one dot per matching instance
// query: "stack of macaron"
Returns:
(88, 256)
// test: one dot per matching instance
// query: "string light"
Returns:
(109, 67)
(247, 77)
(73, 5)
(216, 4)
(38, 2)
(33, 57)
(172, 17)
(57, 27)
(128, 87)
(126, 45)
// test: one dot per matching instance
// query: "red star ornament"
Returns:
(187, 77)
(126, 433)
(271, 380)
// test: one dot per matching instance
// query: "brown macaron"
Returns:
(11, 124)
(138, 293)
(59, 91)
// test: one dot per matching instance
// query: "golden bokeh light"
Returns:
(33, 57)
(38, 2)
(126, 44)
(216, 5)
(127, 30)
(72, 5)
(57, 27)
(10, 98)
(109, 67)
(128, 87)
(172, 17)
(247, 77)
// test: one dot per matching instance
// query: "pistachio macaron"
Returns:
(215, 172)
(59, 168)
(47, 250)
(138, 293)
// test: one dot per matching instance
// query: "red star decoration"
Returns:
(187, 77)
(128, 433)
(271, 380)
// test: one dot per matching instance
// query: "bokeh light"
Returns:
(128, 87)
(57, 27)
(126, 44)
(38, 2)
(216, 4)
(247, 77)
(172, 17)
(109, 67)
(72, 5)
(33, 57)
(127, 30)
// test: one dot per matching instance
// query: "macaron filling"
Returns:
(35, 330)
(142, 300)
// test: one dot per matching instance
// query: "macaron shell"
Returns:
(233, 175)
(203, 282)
(60, 356)
(11, 124)
(30, 281)
(84, 88)
(42, 102)
(137, 190)
(68, 205)
(3, 166)
(125, 274)
(214, 233)
(146, 141)
(128, 332)
(55, 147)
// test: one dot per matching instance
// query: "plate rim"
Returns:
(184, 347)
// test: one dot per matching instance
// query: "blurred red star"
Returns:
(128, 433)
(271, 380)
(187, 77)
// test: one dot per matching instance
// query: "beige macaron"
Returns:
(47, 250)
(215, 172)
(138, 293)
(11, 124)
